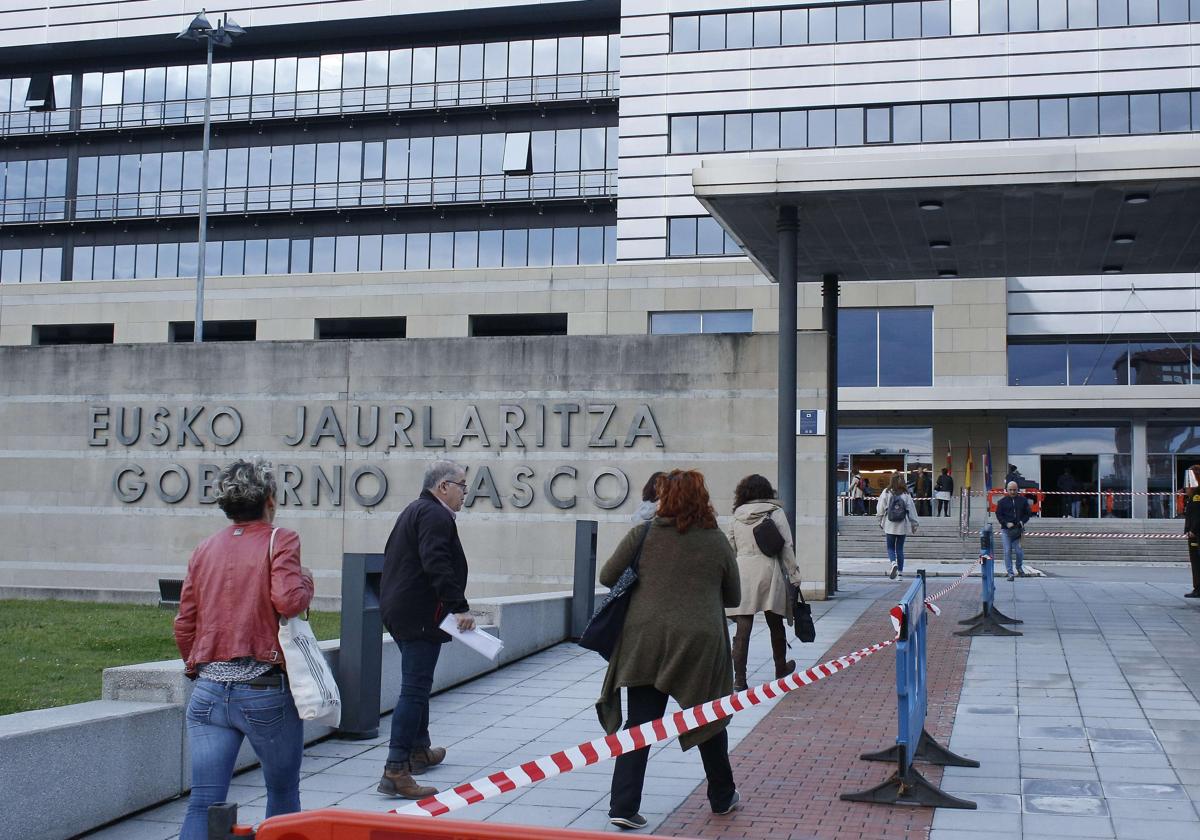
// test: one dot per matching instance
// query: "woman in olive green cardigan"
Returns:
(674, 642)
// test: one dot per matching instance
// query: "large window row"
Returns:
(1096, 361)
(939, 122)
(699, 236)
(885, 347)
(33, 189)
(811, 25)
(513, 247)
(1031, 15)
(30, 265)
(703, 321)
(376, 80)
(904, 19)
(520, 165)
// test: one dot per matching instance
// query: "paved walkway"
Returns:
(1087, 726)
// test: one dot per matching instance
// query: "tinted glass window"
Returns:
(905, 347)
(681, 236)
(821, 128)
(849, 126)
(1099, 363)
(822, 25)
(935, 122)
(1022, 15)
(878, 21)
(993, 120)
(964, 121)
(1143, 113)
(850, 23)
(737, 132)
(1037, 364)
(1174, 111)
(1159, 363)
(674, 323)
(1114, 114)
(727, 322)
(1083, 116)
(1023, 118)
(795, 27)
(857, 347)
(906, 20)
(1052, 118)
(766, 130)
(1052, 14)
(739, 31)
(906, 124)
(685, 34)
(1081, 14)
(935, 18)
(712, 32)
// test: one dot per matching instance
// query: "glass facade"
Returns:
(1092, 458)
(1162, 112)
(30, 265)
(885, 347)
(1096, 361)
(699, 236)
(1173, 448)
(421, 77)
(850, 22)
(514, 247)
(410, 170)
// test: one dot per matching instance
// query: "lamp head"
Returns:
(197, 29)
(232, 28)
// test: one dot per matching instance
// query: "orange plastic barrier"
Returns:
(339, 824)
(1036, 497)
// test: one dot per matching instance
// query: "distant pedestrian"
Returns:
(857, 495)
(424, 580)
(897, 516)
(943, 491)
(763, 579)
(1013, 511)
(674, 642)
(1191, 527)
(239, 581)
(649, 505)
(1071, 502)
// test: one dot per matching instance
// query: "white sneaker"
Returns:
(893, 571)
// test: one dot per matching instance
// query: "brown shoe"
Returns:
(398, 782)
(422, 758)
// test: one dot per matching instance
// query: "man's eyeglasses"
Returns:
(461, 484)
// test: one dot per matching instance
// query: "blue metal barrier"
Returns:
(989, 621)
(913, 742)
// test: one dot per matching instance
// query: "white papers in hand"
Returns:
(476, 639)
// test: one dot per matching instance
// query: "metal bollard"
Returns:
(583, 600)
(360, 661)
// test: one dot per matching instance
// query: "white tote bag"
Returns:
(314, 689)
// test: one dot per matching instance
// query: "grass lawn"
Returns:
(52, 653)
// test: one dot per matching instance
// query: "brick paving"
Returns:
(796, 762)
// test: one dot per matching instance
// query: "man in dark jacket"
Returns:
(1013, 512)
(1191, 527)
(424, 580)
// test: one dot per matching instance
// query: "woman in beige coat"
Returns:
(764, 587)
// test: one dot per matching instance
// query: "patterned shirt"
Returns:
(240, 670)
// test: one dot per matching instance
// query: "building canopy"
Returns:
(1115, 205)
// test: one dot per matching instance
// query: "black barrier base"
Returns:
(928, 750)
(221, 818)
(990, 622)
(911, 788)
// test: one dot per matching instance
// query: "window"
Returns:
(357, 328)
(714, 321)
(50, 334)
(693, 236)
(939, 122)
(181, 332)
(1114, 361)
(554, 323)
(885, 347)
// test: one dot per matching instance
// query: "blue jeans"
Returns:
(218, 717)
(1011, 547)
(410, 720)
(895, 549)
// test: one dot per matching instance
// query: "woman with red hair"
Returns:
(674, 643)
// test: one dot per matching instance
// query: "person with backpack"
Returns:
(897, 516)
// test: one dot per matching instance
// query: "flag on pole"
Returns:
(949, 458)
(970, 465)
(987, 466)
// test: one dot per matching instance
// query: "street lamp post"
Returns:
(222, 35)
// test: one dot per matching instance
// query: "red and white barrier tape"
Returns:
(654, 732)
(628, 740)
(1089, 535)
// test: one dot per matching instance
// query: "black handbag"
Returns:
(768, 538)
(806, 631)
(604, 629)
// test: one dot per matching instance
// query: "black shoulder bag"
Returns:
(767, 537)
(604, 629)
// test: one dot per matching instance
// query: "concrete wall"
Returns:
(712, 399)
(71, 769)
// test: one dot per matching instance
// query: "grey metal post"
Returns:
(583, 600)
(198, 332)
(829, 317)
(360, 661)
(786, 226)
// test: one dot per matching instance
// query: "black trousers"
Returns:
(647, 703)
(1194, 556)
(943, 507)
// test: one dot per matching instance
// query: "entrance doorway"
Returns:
(1076, 473)
(876, 472)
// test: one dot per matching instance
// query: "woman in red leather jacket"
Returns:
(239, 581)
